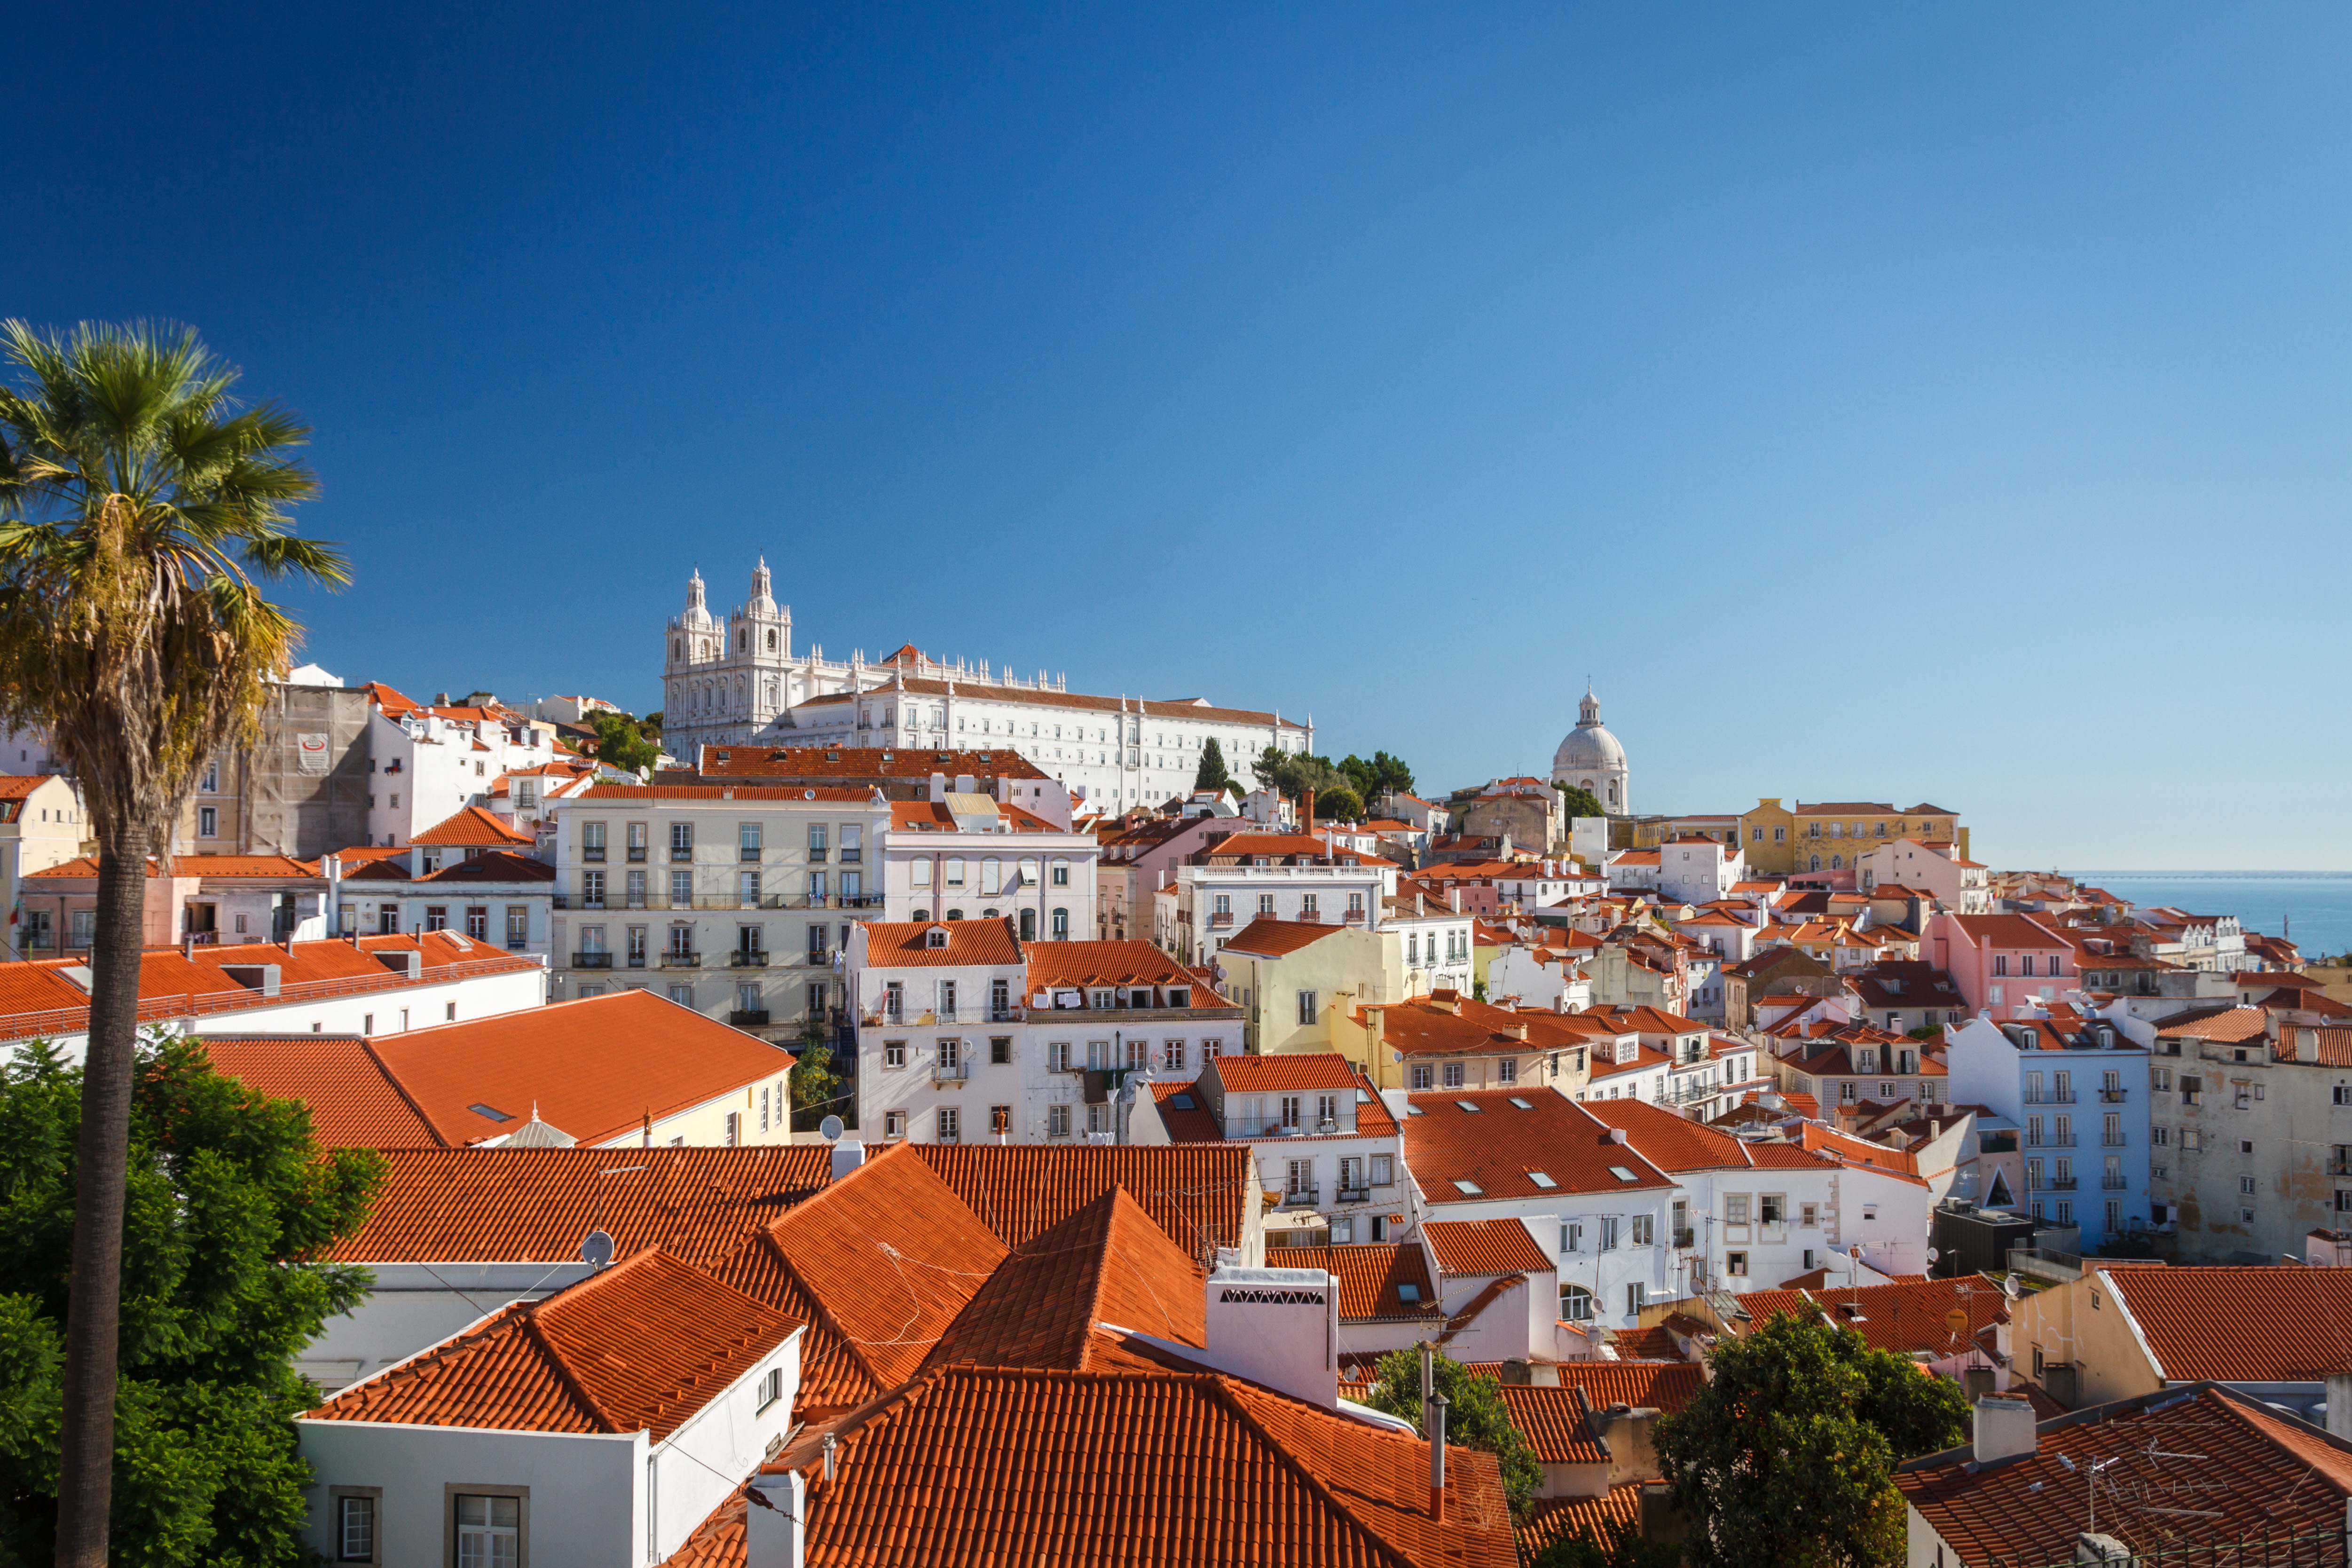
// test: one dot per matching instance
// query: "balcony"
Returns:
(2053, 1184)
(2113, 1096)
(674, 959)
(517, 943)
(852, 857)
(818, 854)
(591, 961)
(747, 958)
(748, 854)
(681, 857)
(2062, 1097)
(1354, 917)
(931, 1017)
(2063, 1142)
(2339, 1167)
(595, 852)
(747, 1017)
(636, 961)
(636, 853)
(958, 1072)
(2112, 1140)
(579, 901)
(1222, 919)
(861, 901)
(1299, 1197)
(2112, 1183)
(1355, 1195)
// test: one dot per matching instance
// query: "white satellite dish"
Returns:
(596, 1249)
(830, 1128)
(1933, 1254)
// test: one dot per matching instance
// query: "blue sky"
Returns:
(1878, 403)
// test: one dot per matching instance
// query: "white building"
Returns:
(428, 763)
(1699, 870)
(966, 1033)
(599, 1426)
(1963, 886)
(739, 682)
(1318, 1133)
(730, 899)
(1291, 877)
(962, 856)
(1592, 758)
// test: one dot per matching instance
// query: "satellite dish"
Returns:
(1933, 1254)
(808, 794)
(596, 1249)
(830, 1128)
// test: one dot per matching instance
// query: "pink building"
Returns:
(2000, 962)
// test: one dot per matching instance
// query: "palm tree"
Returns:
(139, 503)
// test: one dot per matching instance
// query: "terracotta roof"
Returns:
(1196, 1194)
(1553, 1422)
(1075, 965)
(1654, 1343)
(1501, 1146)
(1854, 1150)
(199, 866)
(2254, 1473)
(474, 827)
(353, 1102)
(1108, 1263)
(16, 786)
(936, 816)
(2274, 1324)
(1267, 937)
(1138, 1469)
(2226, 1025)
(639, 1347)
(593, 1068)
(1286, 1070)
(532, 1205)
(1555, 1518)
(1190, 1122)
(491, 866)
(796, 763)
(1484, 1247)
(2008, 931)
(727, 792)
(1906, 1318)
(1370, 1275)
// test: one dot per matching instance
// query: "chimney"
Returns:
(1456, 893)
(847, 1155)
(2004, 1427)
(1279, 1327)
(2306, 1045)
(1310, 810)
(966, 784)
(939, 788)
(773, 1535)
(1625, 1431)
(1436, 1423)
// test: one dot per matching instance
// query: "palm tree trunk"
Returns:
(86, 1476)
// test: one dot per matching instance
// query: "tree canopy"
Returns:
(1212, 773)
(1378, 777)
(1618, 1544)
(230, 1206)
(1476, 1416)
(621, 742)
(1785, 1455)
(1339, 804)
(1576, 801)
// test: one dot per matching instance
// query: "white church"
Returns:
(737, 682)
(1592, 758)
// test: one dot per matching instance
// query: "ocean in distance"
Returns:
(2313, 908)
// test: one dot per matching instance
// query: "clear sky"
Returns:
(1886, 403)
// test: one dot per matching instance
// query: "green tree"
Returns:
(139, 504)
(1211, 775)
(230, 1204)
(1376, 778)
(816, 1084)
(1476, 1416)
(1785, 1455)
(1619, 1544)
(1577, 802)
(621, 742)
(1339, 804)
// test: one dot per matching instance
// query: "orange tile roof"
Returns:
(353, 1102)
(1654, 1343)
(2229, 1026)
(1075, 965)
(1370, 1275)
(1667, 1384)
(1854, 1150)
(1267, 937)
(1196, 1194)
(1906, 1319)
(1286, 1070)
(903, 945)
(1484, 1247)
(2253, 1474)
(933, 817)
(192, 865)
(2241, 1325)
(728, 791)
(533, 1205)
(1120, 1469)
(474, 827)
(1553, 1422)
(491, 866)
(1108, 1263)
(859, 762)
(639, 1347)
(1554, 1519)
(1500, 1146)
(594, 1068)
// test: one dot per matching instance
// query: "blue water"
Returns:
(2313, 907)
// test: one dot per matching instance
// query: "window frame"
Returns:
(335, 1498)
(452, 1490)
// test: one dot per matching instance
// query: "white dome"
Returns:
(1589, 749)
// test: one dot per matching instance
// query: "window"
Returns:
(1171, 1056)
(746, 840)
(437, 918)
(771, 1386)
(1734, 1208)
(1506, 1070)
(894, 1053)
(1637, 1295)
(1057, 1117)
(681, 841)
(1645, 1230)
(1422, 1077)
(1454, 1075)
(1609, 1233)
(1736, 1264)
(1575, 1304)
(1057, 1057)
(1306, 1006)
(478, 921)
(1061, 873)
(489, 1531)
(355, 1526)
(894, 1125)
(1571, 1237)
(207, 822)
(951, 1125)
(1772, 1208)
(1000, 1051)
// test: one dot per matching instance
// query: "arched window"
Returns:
(1061, 925)
(1837, 862)
(1028, 871)
(988, 914)
(772, 640)
(955, 914)
(1028, 925)
(991, 875)
(1816, 864)
(953, 875)
(678, 647)
(1575, 1304)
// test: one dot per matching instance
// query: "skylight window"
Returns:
(1410, 1294)
(1522, 1104)
(1622, 1174)
(1469, 1105)
(1180, 1101)
(494, 1114)
(1469, 1189)
(1413, 1111)
(1541, 1180)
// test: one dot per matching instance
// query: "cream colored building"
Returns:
(42, 825)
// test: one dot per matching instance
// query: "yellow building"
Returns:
(1827, 836)
(1293, 977)
(1446, 1041)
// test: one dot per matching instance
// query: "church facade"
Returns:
(737, 681)
(1592, 758)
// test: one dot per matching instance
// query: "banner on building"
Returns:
(313, 751)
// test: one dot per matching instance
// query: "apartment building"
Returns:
(2007, 966)
(732, 901)
(960, 855)
(42, 825)
(2079, 1085)
(1290, 876)
(965, 1032)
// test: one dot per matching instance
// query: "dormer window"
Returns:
(936, 937)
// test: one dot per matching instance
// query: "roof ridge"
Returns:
(1221, 1389)
(367, 1043)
